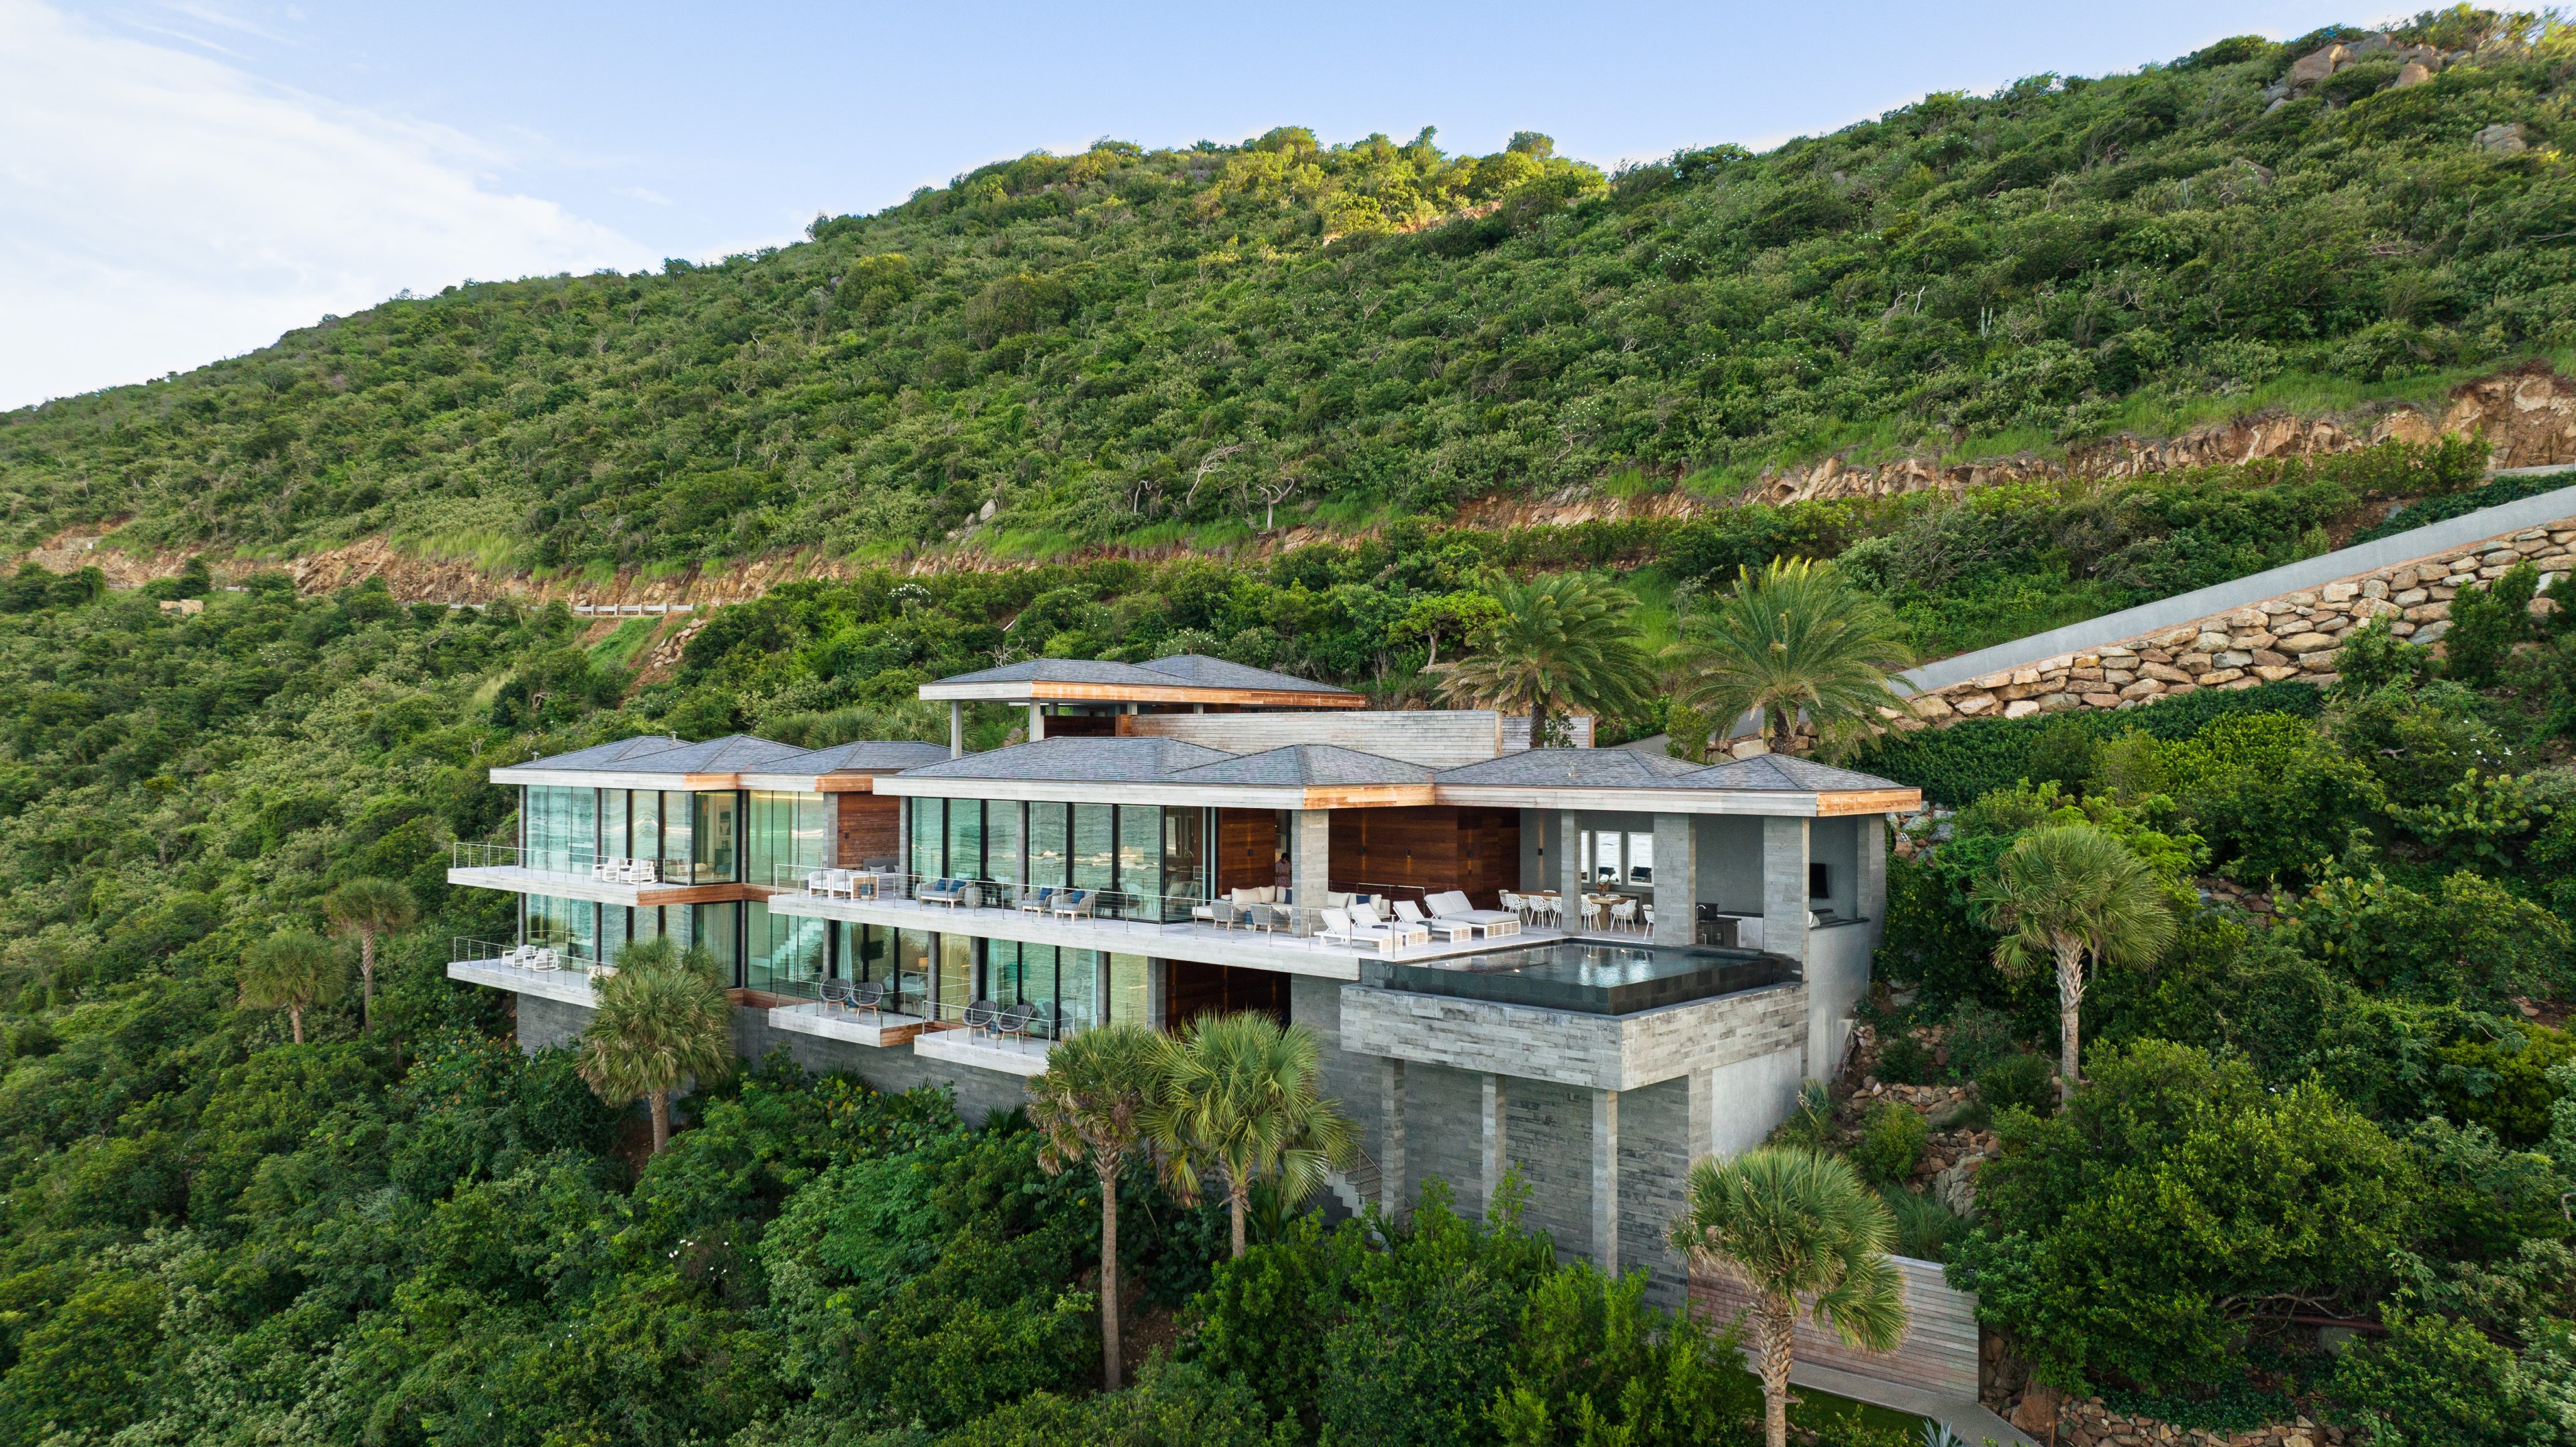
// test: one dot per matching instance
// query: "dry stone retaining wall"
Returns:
(2294, 636)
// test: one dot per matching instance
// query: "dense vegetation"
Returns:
(1196, 343)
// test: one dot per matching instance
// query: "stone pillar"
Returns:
(903, 838)
(1390, 1138)
(1700, 1134)
(1310, 859)
(1676, 879)
(1156, 972)
(1569, 866)
(1784, 887)
(956, 729)
(1497, 1149)
(1870, 890)
(1605, 1172)
(1037, 722)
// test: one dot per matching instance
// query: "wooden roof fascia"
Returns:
(1152, 791)
(1770, 803)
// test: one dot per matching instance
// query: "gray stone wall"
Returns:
(1654, 1172)
(1442, 1109)
(1550, 1139)
(1837, 977)
(890, 1069)
(544, 1023)
(1353, 1079)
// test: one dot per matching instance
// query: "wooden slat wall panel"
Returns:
(1516, 732)
(1191, 989)
(865, 829)
(1939, 1352)
(1428, 849)
(1247, 849)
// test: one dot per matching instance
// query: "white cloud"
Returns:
(159, 210)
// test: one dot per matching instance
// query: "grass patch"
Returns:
(1655, 617)
(624, 642)
(488, 551)
(1815, 1410)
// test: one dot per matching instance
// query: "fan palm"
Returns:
(2072, 891)
(368, 907)
(292, 970)
(662, 1019)
(1794, 638)
(1239, 1098)
(1090, 1105)
(1564, 641)
(1799, 1227)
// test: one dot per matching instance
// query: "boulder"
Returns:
(2308, 69)
(2164, 673)
(2020, 708)
(1932, 705)
(2341, 592)
(2272, 673)
(2036, 1412)
(2148, 688)
(1975, 704)
(2431, 632)
(2319, 662)
(2428, 612)
(2298, 643)
(2500, 140)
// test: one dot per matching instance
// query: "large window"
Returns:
(966, 838)
(786, 952)
(1185, 878)
(1063, 984)
(1614, 858)
(1140, 858)
(561, 828)
(1050, 844)
(712, 928)
(912, 968)
(1130, 990)
(1094, 854)
(929, 843)
(712, 860)
(676, 835)
(570, 926)
(868, 957)
(1004, 834)
(785, 838)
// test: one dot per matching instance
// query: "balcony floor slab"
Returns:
(848, 1026)
(969, 1047)
(570, 986)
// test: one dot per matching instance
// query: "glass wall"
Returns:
(928, 855)
(1140, 860)
(570, 926)
(1050, 845)
(1614, 858)
(1063, 984)
(784, 954)
(1005, 834)
(966, 839)
(1095, 854)
(1130, 993)
(560, 828)
(712, 927)
(867, 956)
(612, 824)
(912, 950)
(712, 817)
(676, 835)
(784, 837)
(1185, 875)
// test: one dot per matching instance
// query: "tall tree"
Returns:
(1240, 1098)
(1565, 641)
(2073, 893)
(368, 907)
(662, 1019)
(1801, 1229)
(292, 970)
(1794, 638)
(1090, 1104)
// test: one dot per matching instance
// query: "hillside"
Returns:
(1197, 345)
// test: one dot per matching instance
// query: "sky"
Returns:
(184, 180)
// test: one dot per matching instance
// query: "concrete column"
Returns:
(1569, 866)
(1605, 1172)
(903, 837)
(1037, 722)
(956, 729)
(1870, 891)
(1497, 1149)
(1310, 856)
(1390, 1138)
(1156, 972)
(1700, 1134)
(1784, 887)
(1676, 879)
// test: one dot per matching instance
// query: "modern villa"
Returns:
(1594, 965)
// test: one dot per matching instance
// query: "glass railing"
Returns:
(1121, 911)
(540, 958)
(582, 864)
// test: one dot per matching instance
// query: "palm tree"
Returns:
(1794, 638)
(662, 1019)
(2072, 891)
(1568, 640)
(1239, 1097)
(292, 970)
(368, 907)
(1090, 1104)
(1799, 1226)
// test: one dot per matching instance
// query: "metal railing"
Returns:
(1112, 911)
(583, 864)
(539, 957)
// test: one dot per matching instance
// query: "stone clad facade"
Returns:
(2294, 636)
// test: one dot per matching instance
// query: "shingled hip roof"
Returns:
(1079, 760)
(1308, 765)
(1185, 670)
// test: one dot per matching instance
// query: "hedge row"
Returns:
(1955, 765)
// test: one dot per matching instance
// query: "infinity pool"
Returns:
(1585, 977)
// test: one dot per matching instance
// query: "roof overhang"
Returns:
(1218, 796)
(617, 779)
(1773, 802)
(1048, 691)
(838, 782)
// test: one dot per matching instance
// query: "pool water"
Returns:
(1586, 977)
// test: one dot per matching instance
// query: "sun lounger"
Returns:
(1453, 905)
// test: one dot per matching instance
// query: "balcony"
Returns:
(563, 975)
(876, 1029)
(1285, 938)
(595, 878)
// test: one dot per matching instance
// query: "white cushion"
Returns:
(1240, 896)
(1333, 900)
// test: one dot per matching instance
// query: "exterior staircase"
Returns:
(1358, 1185)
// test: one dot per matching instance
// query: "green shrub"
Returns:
(2431, 1382)
(1595, 1364)
(1890, 1145)
(1955, 765)
(2486, 621)
(1811, 1125)
(1903, 1060)
(1979, 1039)
(1924, 1227)
(2023, 1082)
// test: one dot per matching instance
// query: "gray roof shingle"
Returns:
(1786, 774)
(870, 756)
(1188, 670)
(1306, 765)
(1074, 759)
(619, 755)
(1206, 672)
(1574, 769)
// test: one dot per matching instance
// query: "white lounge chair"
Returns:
(1338, 925)
(1452, 904)
(1453, 930)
